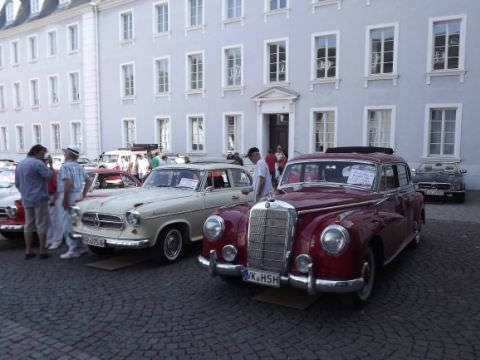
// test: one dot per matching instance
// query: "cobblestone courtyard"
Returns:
(425, 306)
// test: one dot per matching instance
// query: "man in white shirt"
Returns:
(142, 165)
(262, 181)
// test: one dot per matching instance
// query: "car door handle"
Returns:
(235, 197)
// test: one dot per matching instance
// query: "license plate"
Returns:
(261, 277)
(93, 241)
(434, 192)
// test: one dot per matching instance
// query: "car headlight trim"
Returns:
(75, 213)
(335, 239)
(133, 218)
(229, 253)
(214, 227)
(303, 262)
(12, 211)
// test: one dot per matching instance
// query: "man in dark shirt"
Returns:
(270, 159)
(31, 177)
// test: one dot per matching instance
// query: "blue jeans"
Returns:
(74, 246)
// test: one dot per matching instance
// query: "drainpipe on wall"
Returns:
(94, 5)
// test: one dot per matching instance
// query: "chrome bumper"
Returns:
(13, 228)
(304, 282)
(118, 243)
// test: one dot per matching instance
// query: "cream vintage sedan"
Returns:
(165, 214)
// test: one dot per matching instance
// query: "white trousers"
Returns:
(55, 226)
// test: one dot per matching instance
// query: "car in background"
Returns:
(440, 179)
(7, 182)
(335, 219)
(58, 160)
(165, 214)
(103, 183)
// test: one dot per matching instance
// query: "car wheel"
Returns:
(101, 251)
(169, 246)
(369, 272)
(460, 198)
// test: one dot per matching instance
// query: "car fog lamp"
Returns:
(213, 228)
(12, 211)
(334, 239)
(303, 263)
(133, 218)
(229, 253)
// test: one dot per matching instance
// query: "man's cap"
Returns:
(75, 150)
(252, 150)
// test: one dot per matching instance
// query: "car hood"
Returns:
(306, 199)
(437, 177)
(134, 198)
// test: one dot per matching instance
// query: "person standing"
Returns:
(132, 166)
(31, 177)
(262, 181)
(72, 186)
(156, 160)
(281, 160)
(142, 165)
(271, 160)
(54, 231)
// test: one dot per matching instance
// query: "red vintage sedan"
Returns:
(334, 220)
(104, 183)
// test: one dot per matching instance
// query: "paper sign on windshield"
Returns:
(361, 177)
(188, 183)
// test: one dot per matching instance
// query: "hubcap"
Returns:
(172, 244)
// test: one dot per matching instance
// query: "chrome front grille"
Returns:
(437, 186)
(102, 221)
(270, 236)
(3, 213)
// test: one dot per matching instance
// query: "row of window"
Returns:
(73, 46)
(76, 137)
(34, 91)
(35, 8)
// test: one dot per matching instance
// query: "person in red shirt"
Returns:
(270, 159)
(54, 231)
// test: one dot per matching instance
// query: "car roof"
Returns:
(201, 166)
(104, 171)
(374, 157)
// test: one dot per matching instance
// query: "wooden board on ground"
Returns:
(288, 297)
(121, 261)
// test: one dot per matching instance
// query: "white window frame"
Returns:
(121, 39)
(70, 92)
(71, 51)
(2, 63)
(156, 91)
(188, 89)
(266, 62)
(313, 78)
(62, 3)
(458, 130)
(238, 19)
(32, 57)
(31, 93)
(124, 134)
(167, 33)
(12, 57)
(241, 117)
(157, 138)
(368, 76)
(190, 134)
(461, 71)
(49, 43)
(9, 12)
(316, 110)
(17, 100)
(188, 26)
(267, 12)
(321, 3)
(393, 112)
(32, 10)
(122, 82)
(49, 88)
(72, 134)
(4, 146)
(17, 138)
(52, 138)
(226, 87)
(3, 98)
(34, 125)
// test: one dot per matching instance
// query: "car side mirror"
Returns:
(463, 171)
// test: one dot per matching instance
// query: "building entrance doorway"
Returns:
(278, 130)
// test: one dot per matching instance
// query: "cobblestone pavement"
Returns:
(450, 211)
(425, 307)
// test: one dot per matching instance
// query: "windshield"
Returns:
(7, 178)
(109, 158)
(179, 178)
(438, 167)
(331, 172)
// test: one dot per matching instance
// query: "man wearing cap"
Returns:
(72, 186)
(262, 181)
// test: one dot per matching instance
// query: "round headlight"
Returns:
(229, 253)
(12, 211)
(303, 263)
(213, 227)
(75, 213)
(133, 218)
(334, 239)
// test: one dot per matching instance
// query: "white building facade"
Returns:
(209, 77)
(48, 77)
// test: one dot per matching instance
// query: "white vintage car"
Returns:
(165, 214)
